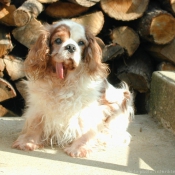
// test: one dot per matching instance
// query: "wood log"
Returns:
(126, 37)
(2, 67)
(135, 71)
(6, 90)
(93, 21)
(14, 67)
(65, 10)
(3, 111)
(29, 9)
(5, 41)
(124, 10)
(157, 26)
(6, 15)
(5, 2)
(85, 3)
(168, 5)
(166, 66)
(21, 87)
(162, 52)
(28, 34)
(112, 51)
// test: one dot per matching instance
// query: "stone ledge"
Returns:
(162, 98)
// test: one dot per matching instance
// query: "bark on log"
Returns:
(163, 52)
(168, 5)
(2, 67)
(136, 71)
(127, 38)
(14, 67)
(166, 66)
(6, 15)
(65, 10)
(124, 10)
(29, 9)
(85, 3)
(28, 34)
(112, 51)
(6, 90)
(93, 21)
(5, 41)
(157, 26)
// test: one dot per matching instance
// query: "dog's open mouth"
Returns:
(62, 68)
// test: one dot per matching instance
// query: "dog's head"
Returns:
(61, 49)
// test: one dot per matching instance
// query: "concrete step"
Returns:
(150, 152)
(162, 98)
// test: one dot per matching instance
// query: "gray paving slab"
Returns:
(151, 151)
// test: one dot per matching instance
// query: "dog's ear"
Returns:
(36, 62)
(93, 55)
(93, 52)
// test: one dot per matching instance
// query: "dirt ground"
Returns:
(151, 151)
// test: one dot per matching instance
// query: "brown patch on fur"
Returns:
(35, 64)
(93, 55)
(61, 32)
(127, 96)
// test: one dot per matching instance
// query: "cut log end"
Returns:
(173, 5)
(6, 15)
(127, 38)
(21, 18)
(124, 9)
(163, 28)
(64, 10)
(6, 90)
(85, 3)
(93, 21)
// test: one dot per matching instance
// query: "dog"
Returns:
(69, 102)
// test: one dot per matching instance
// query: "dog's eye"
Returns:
(58, 41)
(81, 43)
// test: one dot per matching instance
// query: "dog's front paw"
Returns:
(82, 151)
(26, 144)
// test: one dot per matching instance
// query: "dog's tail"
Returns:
(128, 102)
(120, 97)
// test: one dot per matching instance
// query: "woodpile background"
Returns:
(137, 38)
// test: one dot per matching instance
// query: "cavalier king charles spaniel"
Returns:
(69, 100)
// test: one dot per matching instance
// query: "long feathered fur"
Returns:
(71, 112)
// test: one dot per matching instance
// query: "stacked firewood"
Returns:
(137, 37)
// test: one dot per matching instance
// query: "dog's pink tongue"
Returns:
(59, 70)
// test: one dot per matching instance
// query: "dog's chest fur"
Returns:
(65, 107)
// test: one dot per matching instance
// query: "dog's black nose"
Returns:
(71, 48)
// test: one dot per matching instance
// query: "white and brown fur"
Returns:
(70, 111)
